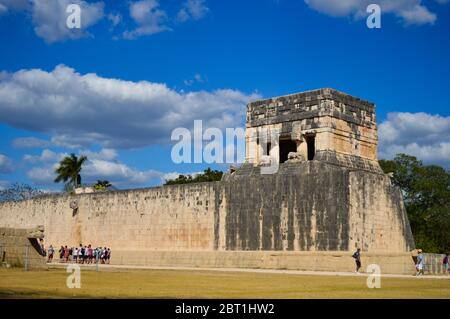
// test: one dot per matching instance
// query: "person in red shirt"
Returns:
(66, 254)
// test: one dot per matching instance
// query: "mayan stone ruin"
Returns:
(327, 197)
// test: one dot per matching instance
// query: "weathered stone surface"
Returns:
(18, 249)
(305, 206)
(36, 232)
(295, 157)
(339, 123)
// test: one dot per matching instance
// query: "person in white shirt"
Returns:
(75, 255)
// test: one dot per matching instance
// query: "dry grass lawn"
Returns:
(16, 283)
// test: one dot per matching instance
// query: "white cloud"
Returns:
(49, 17)
(42, 175)
(410, 11)
(45, 157)
(6, 164)
(102, 165)
(417, 15)
(149, 18)
(192, 9)
(30, 142)
(104, 154)
(81, 110)
(423, 135)
(117, 173)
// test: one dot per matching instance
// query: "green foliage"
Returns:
(208, 175)
(18, 192)
(102, 185)
(426, 190)
(69, 170)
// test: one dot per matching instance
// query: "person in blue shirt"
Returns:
(420, 263)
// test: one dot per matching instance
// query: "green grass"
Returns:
(16, 283)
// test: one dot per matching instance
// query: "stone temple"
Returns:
(327, 196)
(323, 125)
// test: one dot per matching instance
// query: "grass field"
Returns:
(16, 283)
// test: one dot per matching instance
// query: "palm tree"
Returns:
(102, 185)
(69, 170)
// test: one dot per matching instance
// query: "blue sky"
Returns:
(138, 69)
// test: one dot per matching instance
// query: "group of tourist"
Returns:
(419, 264)
(81, 255)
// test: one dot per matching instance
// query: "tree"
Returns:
(17, 192)
(102, 185)
(426, 191)
(69, 171)
(208, 175)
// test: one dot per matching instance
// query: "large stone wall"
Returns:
(314, 206)
(306, 207)
(162, 218)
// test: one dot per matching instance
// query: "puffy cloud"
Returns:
(149, 18)
(423, 135)
(118, 173)
(30, 142)
(6, 164)
(102, 165)
(49, 17)
(81, 110)
(192, 9)
(410, 11)
(45, 157)
(105, 154)
(42, 175)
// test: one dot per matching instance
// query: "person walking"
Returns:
(61, 254)
(66, 254)
(357, 256)
(51, 251)
(89, 254)
(80, 254)
(446, 264)
(85, 255)
(420, 263)
(97, 255)
(75, 255)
